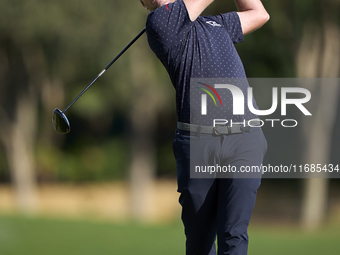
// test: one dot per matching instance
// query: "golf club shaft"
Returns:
(102, 72)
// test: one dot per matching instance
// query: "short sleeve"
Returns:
(232, 23)
(169, 23)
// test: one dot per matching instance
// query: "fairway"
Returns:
(37, 236)
(283, 240)
(41, 236)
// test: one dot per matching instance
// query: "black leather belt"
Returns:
(219, 129)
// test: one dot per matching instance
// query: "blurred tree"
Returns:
(318, 57)
(46, 44)
(30, 48)
(25, 76)
(148, 98)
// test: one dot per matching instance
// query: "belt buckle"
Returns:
(217, 133)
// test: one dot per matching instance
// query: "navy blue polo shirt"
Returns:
(203, 48)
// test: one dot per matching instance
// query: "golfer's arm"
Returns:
(196, 7)
(252, 14)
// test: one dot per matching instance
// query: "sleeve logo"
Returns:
(213, 23)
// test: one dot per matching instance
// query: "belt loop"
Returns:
(242, 127)
(229, 130)
(199, 132)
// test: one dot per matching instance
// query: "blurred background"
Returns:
(110, 184)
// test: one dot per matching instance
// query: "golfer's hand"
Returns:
(252, 14)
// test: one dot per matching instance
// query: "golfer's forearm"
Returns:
(252, 14)
(246, 5)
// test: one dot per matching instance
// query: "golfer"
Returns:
(191, 46)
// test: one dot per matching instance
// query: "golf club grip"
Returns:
(103, 71)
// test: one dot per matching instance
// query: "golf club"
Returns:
(60, 122)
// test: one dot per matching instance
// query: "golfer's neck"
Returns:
(163, 2)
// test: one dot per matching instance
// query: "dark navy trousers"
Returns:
(218, 207)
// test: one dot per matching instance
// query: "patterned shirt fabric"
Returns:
(203, 48)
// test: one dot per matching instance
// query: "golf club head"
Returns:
(60, 122)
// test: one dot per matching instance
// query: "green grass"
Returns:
(39, 236)
(294, 241)
(42, 236)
